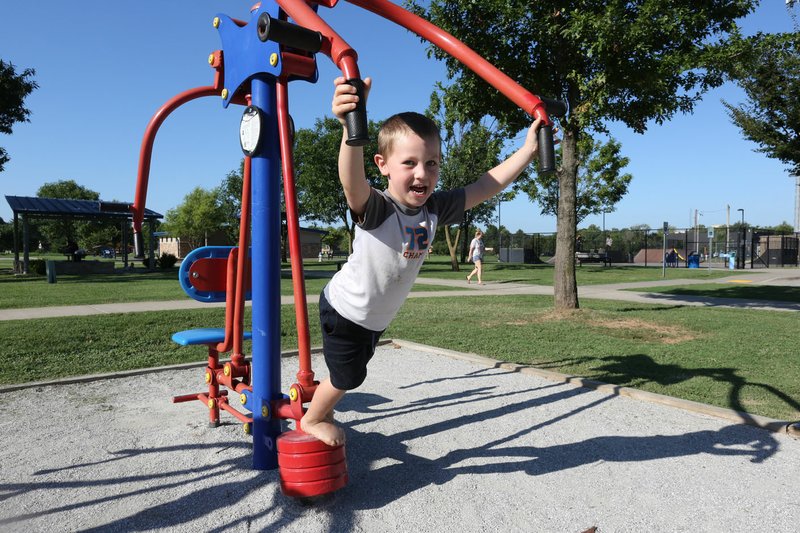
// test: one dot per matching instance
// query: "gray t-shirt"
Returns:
(390, 245)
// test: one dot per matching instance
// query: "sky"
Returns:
(104, 68)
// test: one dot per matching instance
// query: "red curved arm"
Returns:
(146, 151)
(334, 46)
(528, 102)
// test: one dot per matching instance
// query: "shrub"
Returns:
(166, 261)
(38, 267)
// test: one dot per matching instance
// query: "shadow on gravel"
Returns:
(402, 472)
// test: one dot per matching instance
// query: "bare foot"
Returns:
(325, 430)
(468, 280)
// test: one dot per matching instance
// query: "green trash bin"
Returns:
(51, 271)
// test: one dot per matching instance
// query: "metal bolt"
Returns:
(224, 94)
(273, 59)
(216, 22)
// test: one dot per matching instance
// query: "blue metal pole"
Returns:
(266, 220)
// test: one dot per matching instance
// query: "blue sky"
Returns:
(104, 68)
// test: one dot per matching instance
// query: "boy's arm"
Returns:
(351, 158)
(506, 172)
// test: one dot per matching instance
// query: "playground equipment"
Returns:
(259, 58)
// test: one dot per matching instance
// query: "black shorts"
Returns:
(347, 347)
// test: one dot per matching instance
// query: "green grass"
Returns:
(542, 274)
(718, 290)
(738, 359)
(140, 286)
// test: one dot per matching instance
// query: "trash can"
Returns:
(732, 260)
(51, 271)
(693, 260)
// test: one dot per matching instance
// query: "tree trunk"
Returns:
(351, 235)
(565, 287)
(451, 247)
(464, 244)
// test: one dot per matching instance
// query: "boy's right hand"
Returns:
(344, 97)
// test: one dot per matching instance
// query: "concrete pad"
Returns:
(435, 443)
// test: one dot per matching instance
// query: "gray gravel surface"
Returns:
(434, 444)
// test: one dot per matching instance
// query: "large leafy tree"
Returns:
(14, 88)
(58, 234)
(635, 62)
(600, 183)
(769, 73)
(319, 193)
(468, 150)
(198, 215)
(229, 199)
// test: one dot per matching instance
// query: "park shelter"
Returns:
(27, 207)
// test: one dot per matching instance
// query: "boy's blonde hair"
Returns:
(402, 124)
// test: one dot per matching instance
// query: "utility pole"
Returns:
(727, 227)
(797, 203)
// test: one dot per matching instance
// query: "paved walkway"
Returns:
(617, 291)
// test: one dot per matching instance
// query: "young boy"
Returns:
(394, 232)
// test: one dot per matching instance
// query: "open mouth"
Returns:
(419, 190)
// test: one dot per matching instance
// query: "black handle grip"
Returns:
(555, 108)
(547, 152)
(288, 34)
(356, 120)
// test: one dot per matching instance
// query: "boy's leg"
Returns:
(318, 420)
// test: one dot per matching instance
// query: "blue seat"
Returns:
(203, 336)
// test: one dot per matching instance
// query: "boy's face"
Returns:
(412, 168)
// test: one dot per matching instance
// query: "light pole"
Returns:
(743, 233)
(499, 232)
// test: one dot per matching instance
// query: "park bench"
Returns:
(589, 257)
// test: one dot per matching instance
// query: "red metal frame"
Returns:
(308, 466)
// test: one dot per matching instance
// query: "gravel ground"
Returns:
(434, 444)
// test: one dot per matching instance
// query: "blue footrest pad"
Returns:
(203, 336)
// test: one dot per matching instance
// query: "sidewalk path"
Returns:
(787, 277)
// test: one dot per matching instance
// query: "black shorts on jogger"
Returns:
(347, 347)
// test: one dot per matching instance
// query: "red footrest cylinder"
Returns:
(309, 467)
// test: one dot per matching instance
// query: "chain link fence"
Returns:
(687, 247)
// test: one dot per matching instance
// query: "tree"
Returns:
(468, 150)
(229, 199)
(600, 186)
(58, 234)
(632, 62)
(196, 217)
(769, 73)
(6, 235)
(336, 238)
(14, 88)
(319, 192)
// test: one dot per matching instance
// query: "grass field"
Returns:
(741, 359)
(139, 285)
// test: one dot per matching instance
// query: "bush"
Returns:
(38, 267)
(166, 261)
